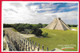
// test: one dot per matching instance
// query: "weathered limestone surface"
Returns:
(58, 24)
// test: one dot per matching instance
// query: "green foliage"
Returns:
(72, 25)
(39, 25)
(20, 28)
(44, 25)
(23, 32)
(45, 34)
(28, 28)
(37, 31)
(7, 25)
(28, 31)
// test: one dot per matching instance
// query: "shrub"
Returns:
(45, 34)
(23, 32)
(28, 31)
(36, 31)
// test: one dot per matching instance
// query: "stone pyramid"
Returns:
(58, 24)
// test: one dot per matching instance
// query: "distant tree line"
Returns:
(31, 28)
(27, 25)
(72, 25)
(7, 25)
(28, 28)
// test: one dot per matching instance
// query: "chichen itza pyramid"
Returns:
(58, 24)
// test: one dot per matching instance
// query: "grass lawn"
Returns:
(74, 28)
(58, 39)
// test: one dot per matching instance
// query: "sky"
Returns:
(39, 12)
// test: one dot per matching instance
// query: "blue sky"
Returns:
(39, 12)
(60, 7)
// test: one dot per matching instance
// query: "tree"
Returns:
(20, 28)
(44, 25)
(37, 31)
(39, 25)
(7, 25)
(28, 26)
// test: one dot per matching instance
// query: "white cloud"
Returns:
(49, 5)
(61, 9)
(45, 9)
(70, 4)
(73, 7)
(11, 17)
(69, 17)
(16, 4)
(24, 15)
(33, 8)
(28, 14)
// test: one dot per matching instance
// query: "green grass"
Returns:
(58, 38)
(74, 28)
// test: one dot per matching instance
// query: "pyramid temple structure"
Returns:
(58, 24)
